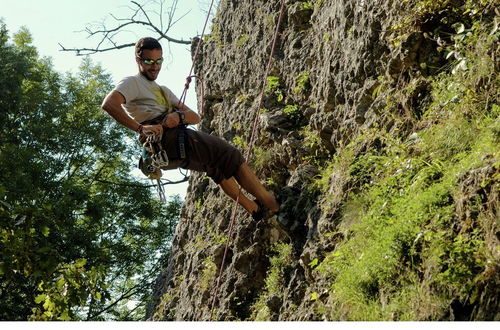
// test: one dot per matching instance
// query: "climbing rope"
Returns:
(247, 154)
(190, 74)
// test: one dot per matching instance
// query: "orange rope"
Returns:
(248, 152)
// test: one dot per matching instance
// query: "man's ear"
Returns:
(137, 59)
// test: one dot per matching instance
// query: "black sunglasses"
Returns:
(152, 62)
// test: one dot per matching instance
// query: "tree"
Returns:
(79, 236)
(159, 21)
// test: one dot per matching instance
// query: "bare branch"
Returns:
(163, 183)
(139, 17)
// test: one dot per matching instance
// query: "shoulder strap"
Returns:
(170, 108)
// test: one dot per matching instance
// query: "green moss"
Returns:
(244, 99)
(215, 35)
(161, 312)
(318, 4)
(242, 40)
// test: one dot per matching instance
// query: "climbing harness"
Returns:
(248, 152)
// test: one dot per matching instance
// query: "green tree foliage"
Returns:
(79, 237)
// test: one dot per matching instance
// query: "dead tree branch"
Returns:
(154, 21)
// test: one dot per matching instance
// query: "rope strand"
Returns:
(190, 74)
(247, 154)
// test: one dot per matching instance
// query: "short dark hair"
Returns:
(146, 43)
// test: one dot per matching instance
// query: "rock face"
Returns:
(328, 83)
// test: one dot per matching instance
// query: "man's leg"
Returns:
(232, 189)
(249, 181)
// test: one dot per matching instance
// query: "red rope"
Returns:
(248, 152)
(182, 99)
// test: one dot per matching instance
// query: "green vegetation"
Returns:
(261, 157)
(162, 311)
(242, 40)
(240, 142)
(209, 273)
(80, 239)
(417, 238)
(273, 86)
(292, 111)
(302, 83)
(281, 260)
(306, 5)
(244, 99)
(416, 195)
(315, 152)
(215, 34)
(443, 12)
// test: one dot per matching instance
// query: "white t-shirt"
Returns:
(145, 99)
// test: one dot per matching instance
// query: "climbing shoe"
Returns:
(261, 212)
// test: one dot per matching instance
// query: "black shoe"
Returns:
(261, 211)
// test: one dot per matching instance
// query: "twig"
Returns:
(108, 35)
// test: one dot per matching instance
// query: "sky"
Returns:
(54, 22)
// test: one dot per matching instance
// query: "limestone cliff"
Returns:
(380, 131)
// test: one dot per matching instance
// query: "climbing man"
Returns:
(151, 110)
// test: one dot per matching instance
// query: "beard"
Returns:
(150, 74)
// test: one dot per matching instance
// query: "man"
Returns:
(140, 104)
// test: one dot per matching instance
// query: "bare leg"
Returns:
(232, 189)
(249, 181)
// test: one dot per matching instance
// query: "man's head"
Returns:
(148, 55)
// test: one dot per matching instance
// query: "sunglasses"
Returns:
(152, 62)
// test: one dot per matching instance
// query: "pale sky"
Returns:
(57, 21)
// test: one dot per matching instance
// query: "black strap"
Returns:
(154, 121)
(181, 142)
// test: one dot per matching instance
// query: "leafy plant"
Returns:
(274, 280)
(273, 86)
(302, 82)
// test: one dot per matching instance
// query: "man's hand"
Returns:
(152, 130)
(171, 120)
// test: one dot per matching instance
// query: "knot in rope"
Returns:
(188, 82)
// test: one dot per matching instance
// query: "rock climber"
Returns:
(140, 104)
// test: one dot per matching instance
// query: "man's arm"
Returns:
(112, 104)
(190, 117)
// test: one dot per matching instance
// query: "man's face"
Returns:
(150, 71)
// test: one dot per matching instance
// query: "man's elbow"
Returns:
(105, 107)
(197, 119)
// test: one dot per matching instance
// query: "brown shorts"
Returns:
(205, 153)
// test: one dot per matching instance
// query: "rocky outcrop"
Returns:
(329, 82)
